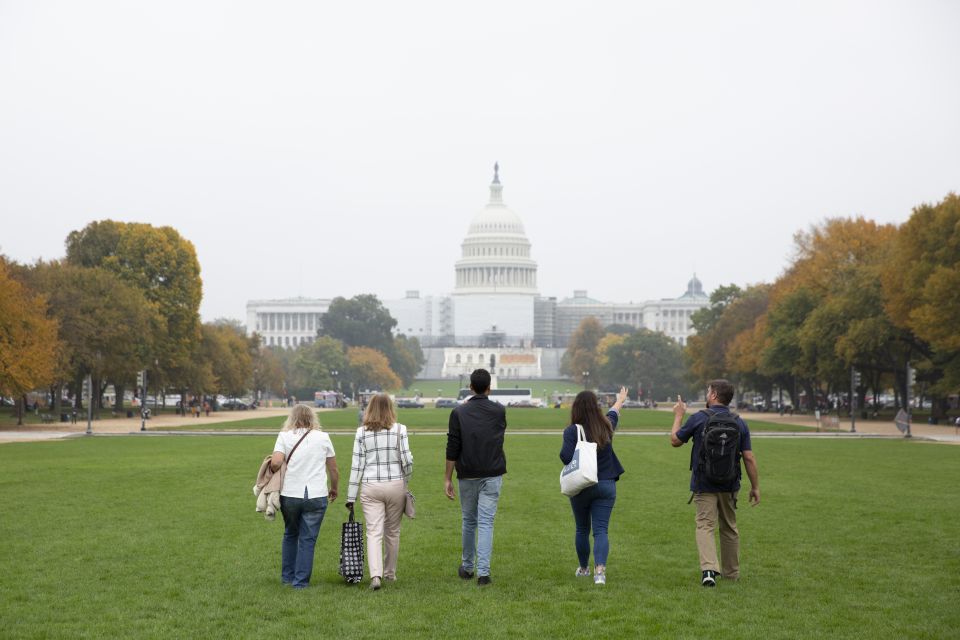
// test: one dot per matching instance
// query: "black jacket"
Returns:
(475, 438)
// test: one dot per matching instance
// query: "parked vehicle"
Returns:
(445, 403)
(409, 403)
(234, 405)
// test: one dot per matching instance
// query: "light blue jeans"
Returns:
(478, 502)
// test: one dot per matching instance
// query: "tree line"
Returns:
(858, 303)
(126, 298)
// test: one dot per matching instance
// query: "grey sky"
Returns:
(323, 149)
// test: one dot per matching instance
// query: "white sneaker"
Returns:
(600, 578)
(581, 572)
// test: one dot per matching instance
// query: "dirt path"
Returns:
(130, 425)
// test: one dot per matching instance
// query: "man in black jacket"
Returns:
(475, 449)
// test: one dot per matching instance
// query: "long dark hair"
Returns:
(586, 411)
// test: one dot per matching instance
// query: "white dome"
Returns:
(496, 252)
(496, 219)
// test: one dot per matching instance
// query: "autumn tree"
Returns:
(921, 286)
(363, 321)
(230, 354)
(581, 354)
(370, 369)
(268, 372)
(28, 340)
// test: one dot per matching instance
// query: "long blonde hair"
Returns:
(301, 416)
(379, 414)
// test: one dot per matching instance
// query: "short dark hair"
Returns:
(723, 389)
(480, 381)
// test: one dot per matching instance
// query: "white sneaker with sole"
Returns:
(600, 578)
(582, 572)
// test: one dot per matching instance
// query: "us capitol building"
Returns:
(495, 316)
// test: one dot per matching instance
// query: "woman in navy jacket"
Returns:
(592, 506)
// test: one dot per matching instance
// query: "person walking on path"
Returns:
(382, 462)
(475, 448)
(310, 458)
(593, 506)
(716, 499)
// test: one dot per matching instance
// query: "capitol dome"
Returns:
(496, 252)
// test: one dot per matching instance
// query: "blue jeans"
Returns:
(478, 502)
(593, 504)
(302, 518)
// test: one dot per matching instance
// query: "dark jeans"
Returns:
(593, 506)
(302, 518)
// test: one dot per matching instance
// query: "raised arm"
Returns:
(679, 410)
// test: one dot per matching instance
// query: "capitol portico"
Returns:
(495, 311)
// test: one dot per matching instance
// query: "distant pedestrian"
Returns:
(593, 506)
(206, 408)
(380, 464)
(712, 429)
(475, 448)
(310, 459)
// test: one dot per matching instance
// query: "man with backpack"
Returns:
(720, 439)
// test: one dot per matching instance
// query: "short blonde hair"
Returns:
(302, 416)
(380, 413)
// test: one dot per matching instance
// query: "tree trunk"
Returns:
(21, 403)
(118, 402)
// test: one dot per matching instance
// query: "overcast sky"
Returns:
(335, 148)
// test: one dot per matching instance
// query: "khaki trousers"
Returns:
(711, 508)
(382, 504)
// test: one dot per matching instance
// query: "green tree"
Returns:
(406, 358)
(361, 321)
(105, 325)
(646, 360)
(163, 266)
(314, 364)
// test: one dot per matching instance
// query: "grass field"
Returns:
(449, 388)
(157, 537)
(429, 419)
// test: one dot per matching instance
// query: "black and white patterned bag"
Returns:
(351, 551)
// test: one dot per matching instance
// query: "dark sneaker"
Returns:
(708, 578)
(482, 580)
(463, 573)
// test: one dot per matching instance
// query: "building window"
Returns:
(458, 358)
(469, 358)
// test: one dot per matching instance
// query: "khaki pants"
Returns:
(382, 504)
(712, 507)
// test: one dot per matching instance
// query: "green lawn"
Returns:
(449, 388)
(157, 537)
(436, 419)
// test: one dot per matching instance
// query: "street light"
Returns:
(586, 379)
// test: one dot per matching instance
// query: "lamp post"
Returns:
(336, 383)
(586, 379)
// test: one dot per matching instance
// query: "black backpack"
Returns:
(719, 449)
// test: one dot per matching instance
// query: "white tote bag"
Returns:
(582, 470)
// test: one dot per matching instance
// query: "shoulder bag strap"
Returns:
(581, 434)
(290, 455)
(403, 471)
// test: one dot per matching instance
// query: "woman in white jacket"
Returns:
(310, 459)
(381, 463)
